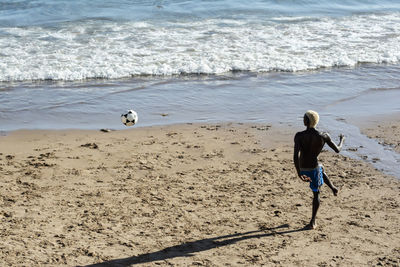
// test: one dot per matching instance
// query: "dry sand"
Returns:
(185, 195)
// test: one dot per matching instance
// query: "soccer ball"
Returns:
(130, 118)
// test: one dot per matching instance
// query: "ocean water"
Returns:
(80, 64)
(78, 40)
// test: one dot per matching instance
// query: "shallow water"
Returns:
(234, 97)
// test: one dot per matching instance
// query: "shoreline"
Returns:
(367, 127)
(193, 194)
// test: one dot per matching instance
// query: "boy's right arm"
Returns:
(332, 145)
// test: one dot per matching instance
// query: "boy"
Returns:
(309, 144)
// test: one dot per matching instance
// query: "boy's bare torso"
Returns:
(310, 143)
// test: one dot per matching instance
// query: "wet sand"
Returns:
(385, 129)
(212, 195)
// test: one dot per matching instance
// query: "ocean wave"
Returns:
(109, 49)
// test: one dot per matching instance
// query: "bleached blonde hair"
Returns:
(313, 118)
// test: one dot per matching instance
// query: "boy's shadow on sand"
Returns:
(188, 249)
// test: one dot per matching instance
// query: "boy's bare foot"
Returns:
(335, 191)
(310, 226)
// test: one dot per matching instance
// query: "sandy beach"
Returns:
(188, 195)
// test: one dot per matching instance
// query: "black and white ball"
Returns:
(130, 118)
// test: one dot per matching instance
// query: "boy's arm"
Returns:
(296, 160)
(296, 155)
(332, 145)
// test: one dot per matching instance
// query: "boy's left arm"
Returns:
(296, 152)
(296, 156)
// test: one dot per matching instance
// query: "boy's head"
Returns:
(311, 118)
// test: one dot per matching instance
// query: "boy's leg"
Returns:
(315, 207)
(329, 183)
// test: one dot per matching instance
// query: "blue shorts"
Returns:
(316, 176)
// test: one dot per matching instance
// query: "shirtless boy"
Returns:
(309, 144)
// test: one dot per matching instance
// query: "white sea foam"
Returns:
(110, 49)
